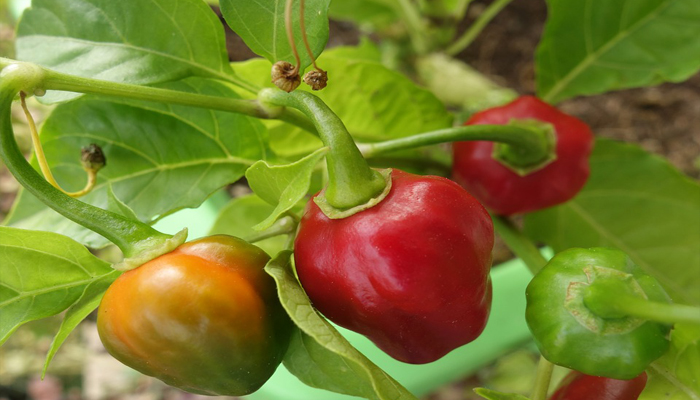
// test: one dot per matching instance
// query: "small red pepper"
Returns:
(503, 190)
(411, 273)
(578, 386)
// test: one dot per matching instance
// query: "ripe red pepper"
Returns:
(578, 386)
(410, 273)
(204, 318)
(504, 191)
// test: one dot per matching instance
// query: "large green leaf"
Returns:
(261, 25)
(282, 186)
(374, 102)
(594, 46)
(159, 159)
(77, 312)
(42, 274)
(132, 41)
(319, 355)
(638, 203)
(675, 376)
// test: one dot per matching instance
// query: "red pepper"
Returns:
(578, 386)
(504, 191)
(410, 273)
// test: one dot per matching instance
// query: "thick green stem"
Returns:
(475, 29)
(530, 143)
(414, 25)
(520, 244)
(132, 237)
(542, 379)
(52, 80)
(352, 182)
(605, 301)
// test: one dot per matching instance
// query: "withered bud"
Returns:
(92, 157)
(285, 76)
(317, 79)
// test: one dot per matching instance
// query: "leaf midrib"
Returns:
(34, 293)
(593, 57)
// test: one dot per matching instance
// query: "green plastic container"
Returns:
(505, 330)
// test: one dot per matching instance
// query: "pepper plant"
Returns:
(360, 215)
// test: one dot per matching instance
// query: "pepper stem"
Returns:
(520, 244)
(607, 302)
(352, 182)
(542, 379)
(134, 238)
(526, 142)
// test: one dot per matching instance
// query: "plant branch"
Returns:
(542, 379)
(53, 80)
(520, 244)
(414, 24)
(134, 238)
(532, 144)
(283, 226)
(475, 29)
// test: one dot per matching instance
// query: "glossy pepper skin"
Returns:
(578, 386)
(204, 318)
(410, 273)
(569, 334)
(505, 192)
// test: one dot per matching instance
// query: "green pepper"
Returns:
(571, 333)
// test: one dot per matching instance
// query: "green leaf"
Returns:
(375, 103)
(638, 203)
(594, 46)
(261, 25)
(319, 356)
(494, 395)
(131, 41)
(675, 375)
(160, 158)
(43, 274)
(377, 13)
(118, 206)
(76, 313)
(238, 217)
(282, 186)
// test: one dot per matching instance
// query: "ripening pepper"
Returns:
(506, 191)
(204, 318)
(578, 386)
(411, 273)
(570, 334)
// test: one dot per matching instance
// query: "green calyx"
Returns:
(519, 159)
(148, 249)
(590, 314)
(334, 213)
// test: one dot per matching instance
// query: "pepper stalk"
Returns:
(138, 242)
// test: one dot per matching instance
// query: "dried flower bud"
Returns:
(285, 76)
(92, 157)
(317, 79)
